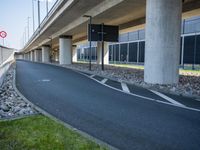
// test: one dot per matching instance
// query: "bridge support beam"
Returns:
(37, 55)
(45, 54)
(99, 53)
(65, 55)
(162, 49)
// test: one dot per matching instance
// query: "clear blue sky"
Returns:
(14, 19)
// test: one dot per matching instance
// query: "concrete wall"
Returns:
(5, 66)
(5, 53)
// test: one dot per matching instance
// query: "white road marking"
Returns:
(198, 99)
(143, 97)
(125, 87)
(104, 81)
(167, 98)
(44, 80)
(92, 76)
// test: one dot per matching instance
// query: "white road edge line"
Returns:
(167, 98)
(147, 98)
(198, 100)
(92, 76)
(104, 81)
(125, 87)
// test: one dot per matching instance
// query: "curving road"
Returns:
(124, 121)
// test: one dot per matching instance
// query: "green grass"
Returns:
(142, 67)
(128, 66)
(41, 133)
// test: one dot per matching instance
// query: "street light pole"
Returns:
(25, 35)
(102, 42)
(47, 6)
(90, 39)
(39, 13)
(33, 15)
(28, 27)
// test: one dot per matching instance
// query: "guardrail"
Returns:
(44, 21)
(4, 68)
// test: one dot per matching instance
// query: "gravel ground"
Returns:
(189, 82)
(11, 104)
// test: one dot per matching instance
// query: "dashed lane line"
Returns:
(92, 76)
(147, 98)
(125, 87)
(167, 98)
(104, 81)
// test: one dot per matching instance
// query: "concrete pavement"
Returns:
(122, 120)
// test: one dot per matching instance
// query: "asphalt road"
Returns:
(119, 119)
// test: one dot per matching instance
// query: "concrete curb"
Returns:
(18, 117)
(99, 142)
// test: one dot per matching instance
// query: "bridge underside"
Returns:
(67, 26)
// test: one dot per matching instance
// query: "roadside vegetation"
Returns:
(41, 133)
(188, 69)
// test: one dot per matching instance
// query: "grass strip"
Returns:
(41, 133)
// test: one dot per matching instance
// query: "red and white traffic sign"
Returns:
(3, 34)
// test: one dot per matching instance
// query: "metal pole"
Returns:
(33, 15)
(25, 34)
(1, 55)
(182, 52)
(39, 13)
(47, 6)
(183, 41)
(90, 40)
(195, 49)
(28, 27)
(90, 65)
(102, 42)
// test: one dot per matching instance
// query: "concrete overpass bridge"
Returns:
(65, 26)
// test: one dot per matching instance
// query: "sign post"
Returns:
(102, 42)
(3, 35)
(101, 32)
(89, 35)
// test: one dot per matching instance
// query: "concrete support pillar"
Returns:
(99, 53)
(29, 56)
(65, 55)
(74, 53)
(162, 48)
(57, 56)
(45, 54)
(37, 53)
(32, 55)
(26, 55)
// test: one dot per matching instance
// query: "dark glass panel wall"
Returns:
(189, 42)
(84, 54)
(123, 52)
(198, 50)
(133, 49)
(141, 51)
(116, 52)
(110, 52)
